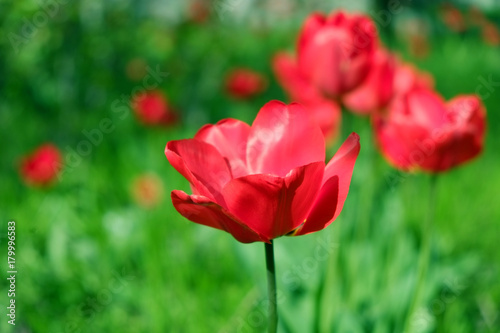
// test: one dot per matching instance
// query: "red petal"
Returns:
(230, 137)
(202, 210)
(467, 110)
(312, 25)
(324, 208)
(427, 108)
(290, 78)
(201, 164)
(336, 181)
(274, 206)
(327, 115)
(377, 89)
(454, 147)
(282, 138)
(337, 57)
(326, 112)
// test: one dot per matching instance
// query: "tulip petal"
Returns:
(333, 193)
(453, 148)
(327, 115)
(292, 80)
(427, 108)
(271, 205)
(467, 110)
(325, 60)
(201, 164)
(377, 89)
(326, 112)
(324, 208)
(312, 25)
(202, 210)
(396, 142)
(403, 140)
(336, 57)
(230, 137)
(282, 138)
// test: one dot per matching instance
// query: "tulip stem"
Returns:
(425, 253)
(271, 288)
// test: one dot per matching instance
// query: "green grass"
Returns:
(91, 260)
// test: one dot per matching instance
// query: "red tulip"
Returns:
(335, 52)
(422, 131)
(199, 11)
(245, 83)
(408, 78)
(388, 79)
(377, 89)
(41, 167)
(263, 181)
(152, 109)
(327, 113)
(453, 17)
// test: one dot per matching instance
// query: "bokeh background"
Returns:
(92, 257)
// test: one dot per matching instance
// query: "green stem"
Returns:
(271, 288)
(425, 252)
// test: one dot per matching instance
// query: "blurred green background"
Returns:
(91, 259)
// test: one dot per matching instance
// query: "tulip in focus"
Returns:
(243, 83)
(326, 112)
(263, 181)
(152, 109)
(42, 166)
(335, 52)
(421, 131)
(147, 190)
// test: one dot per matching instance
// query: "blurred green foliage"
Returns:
(89, 259)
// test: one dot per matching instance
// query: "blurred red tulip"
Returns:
(452, 17)
(421, 131)
(263, 181)
(41, 167)
(408, 78)
(147, 190)
(389, 78)
(490, 34)
(199, 11)
(152, 109)
(243, 83)
(377, 89)
(326, 112)
(335, 52)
